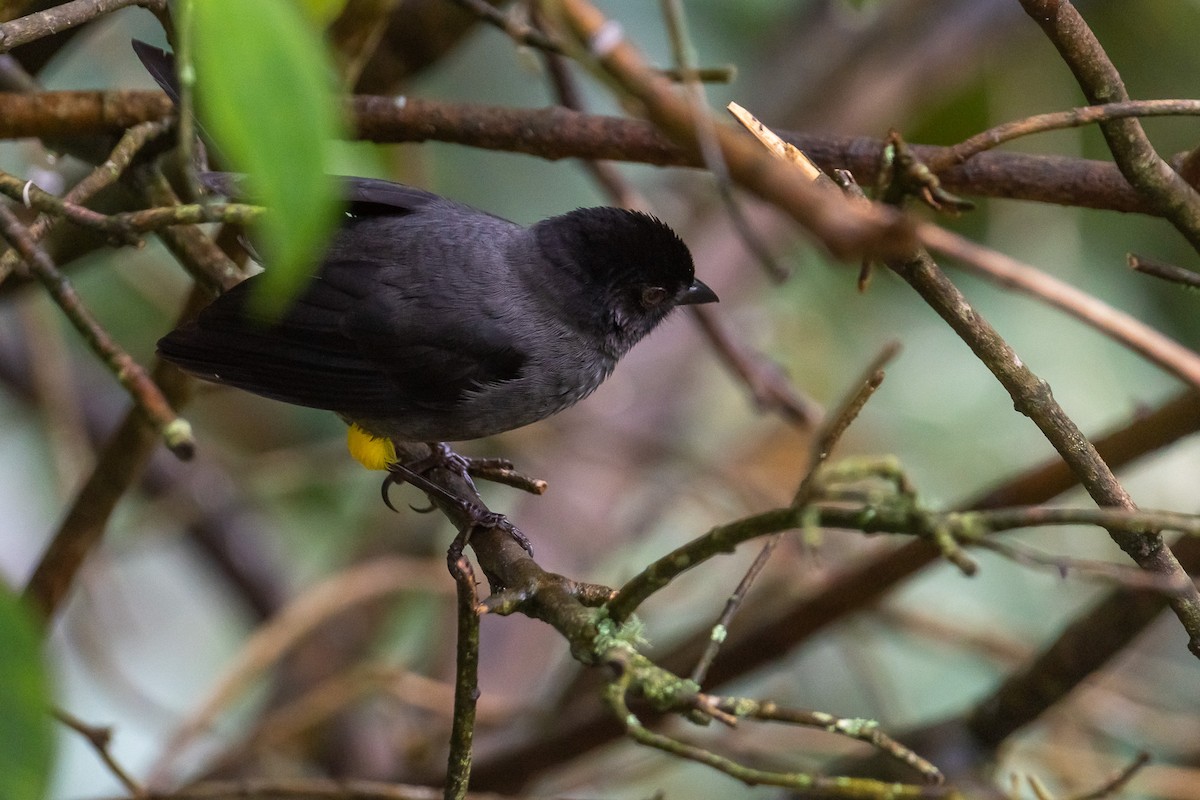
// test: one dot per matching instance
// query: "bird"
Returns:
(427, 320)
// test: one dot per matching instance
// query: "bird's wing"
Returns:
(364, 196)
(351, 343)
(385, 196)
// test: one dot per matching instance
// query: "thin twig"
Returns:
(801, 783)
(100, 739)
(466, 680)
(1058, 120)
(863, 730)
(721, 628)
(188, 128)
(841, 418)
(192, 247)
(619, 190)
(63, 17)
(1119, 781)
(1125, 575)
(323, 701)
(1160, 269)
(724, 538)
(1007, 519)
(127, 223)
(768, 385)
(33, 196)
(534, 36)
(299, 789)
(503, 472)
(527, 35)
(176, 433)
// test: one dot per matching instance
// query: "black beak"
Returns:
(695, 294)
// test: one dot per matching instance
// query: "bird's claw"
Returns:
(441, 456)
(390, 480)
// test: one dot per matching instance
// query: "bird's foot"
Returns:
(482, 518)
(495, 470)
(478, 516)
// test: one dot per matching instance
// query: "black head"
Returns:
(628, 271)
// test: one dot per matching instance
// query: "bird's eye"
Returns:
(653, 296)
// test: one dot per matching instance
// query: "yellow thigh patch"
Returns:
(372, 452)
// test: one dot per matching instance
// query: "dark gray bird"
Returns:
(432, 321)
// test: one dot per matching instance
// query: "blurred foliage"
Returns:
(26, 742)
(268, 102)
(322, 12)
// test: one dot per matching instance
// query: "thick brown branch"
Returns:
(56, 114)
(556, 133)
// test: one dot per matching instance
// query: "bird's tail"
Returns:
(161, 66)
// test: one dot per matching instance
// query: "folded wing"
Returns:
(354, 342)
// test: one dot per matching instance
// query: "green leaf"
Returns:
(322, 12)
(264, 91)
(26, 738)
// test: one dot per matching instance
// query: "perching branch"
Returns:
(466, 682)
